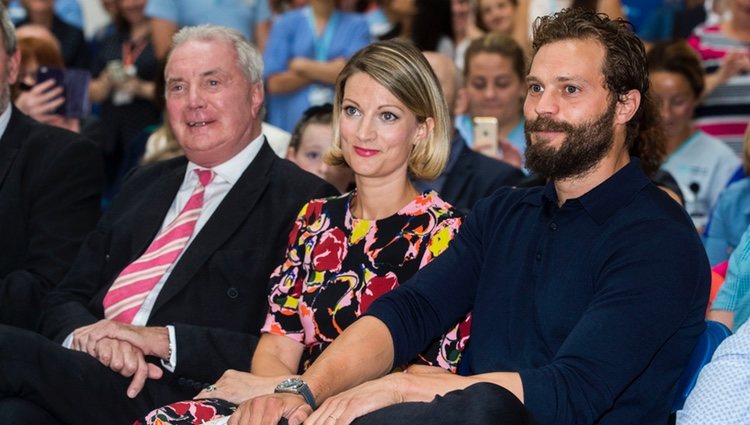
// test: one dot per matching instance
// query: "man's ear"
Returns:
(14, 62)
(627, 105)
(257, 97)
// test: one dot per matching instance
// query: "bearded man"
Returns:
(588, 294)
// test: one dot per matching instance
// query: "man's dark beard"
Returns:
(584, 145)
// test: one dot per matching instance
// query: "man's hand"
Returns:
(269, 409)
(344, 408)
(236, 387)
(127, 360)
(152, 341)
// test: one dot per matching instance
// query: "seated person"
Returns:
(469, 176)
(345, 252)
(701, 164)
(720, 395)
(494, 85)
(731, 306)
(311, 139)
(39, 48)
(587, 295)
(731, 216)
(168, 291)
(50, 185)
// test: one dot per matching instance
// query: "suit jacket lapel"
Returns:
(457, 180)
(10, 143)
(231, 213)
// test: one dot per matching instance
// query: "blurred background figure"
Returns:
(494, 84)
(311, 139)
(72, 42)
(701, 164)
(39, 48)
(674, 19)
(731, 216)
(124, 72)
(496, 16)
(468, 176)
(465, 29)
(724, 49)
(529, 10)
(252, 19)
(68, 10)
(310, 47)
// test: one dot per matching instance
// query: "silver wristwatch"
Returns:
(297, 386)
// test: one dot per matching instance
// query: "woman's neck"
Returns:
(676, 140)
(504, 129)
(738, 28)
(376, 200)
(322, 11)
(140, 31)
(43, 19)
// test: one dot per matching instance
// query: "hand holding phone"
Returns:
(485, 136)
(57, 75)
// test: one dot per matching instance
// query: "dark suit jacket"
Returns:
(50, 184)
(217, 294)
(475, 176)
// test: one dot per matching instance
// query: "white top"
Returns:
(702, 166)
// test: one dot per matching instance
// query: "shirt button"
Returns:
(553, 226)
(538, 256)
(233, 293)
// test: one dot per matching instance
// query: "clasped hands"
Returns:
(123, 348)
(340, 409)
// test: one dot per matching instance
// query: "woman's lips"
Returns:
(365, 152)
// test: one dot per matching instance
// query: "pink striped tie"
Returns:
(126, 295)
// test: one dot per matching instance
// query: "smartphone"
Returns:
(485, 136)
(58, 75)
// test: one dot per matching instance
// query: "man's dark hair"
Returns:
(624, 69)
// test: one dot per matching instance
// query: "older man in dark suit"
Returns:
(50, 184)
(170, 289)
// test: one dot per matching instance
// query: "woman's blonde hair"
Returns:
(401, 68)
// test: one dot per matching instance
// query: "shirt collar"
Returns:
(608, 197)
(5, 119)
(231, 170)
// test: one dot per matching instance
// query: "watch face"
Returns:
(292, 384)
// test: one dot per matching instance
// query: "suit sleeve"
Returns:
(63, 207)
(204, 353)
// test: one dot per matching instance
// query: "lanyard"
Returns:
(322, 43)
(131, 50)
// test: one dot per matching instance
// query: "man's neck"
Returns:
(575, 187)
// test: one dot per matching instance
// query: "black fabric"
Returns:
(478, 404)
(50, 185)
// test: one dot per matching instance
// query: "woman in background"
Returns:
(494, 84)
(701, 164)
(124, 72)
(310, 46)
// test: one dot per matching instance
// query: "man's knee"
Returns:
(15, 411)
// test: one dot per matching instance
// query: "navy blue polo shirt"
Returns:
(597, 303)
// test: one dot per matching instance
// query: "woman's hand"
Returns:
(235, 386)
(41, 101)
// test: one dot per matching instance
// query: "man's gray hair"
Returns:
(249, 59)
(9, 31)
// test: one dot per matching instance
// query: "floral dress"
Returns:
(336, 265)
